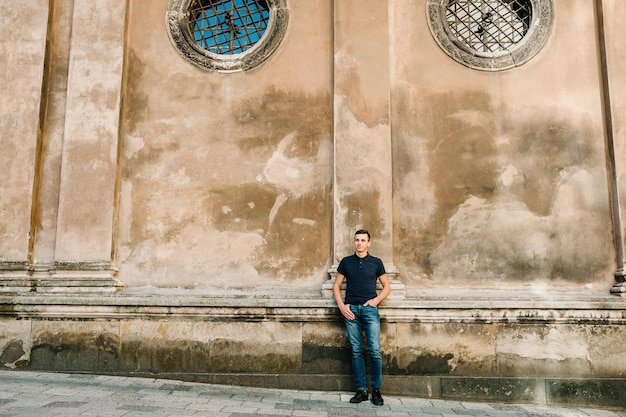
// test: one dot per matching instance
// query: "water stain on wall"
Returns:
(198, 177)
(11, 353)
(231, 356)
(155, 355)
(424, 364)
(75, 351)
(363, 210)
(467, 170)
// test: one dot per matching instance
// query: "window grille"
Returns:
(226, 35)
(489, 25)
(227, 26)
(490, 35)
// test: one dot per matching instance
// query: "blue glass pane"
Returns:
(228, 27)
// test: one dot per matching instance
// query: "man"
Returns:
(360, 311)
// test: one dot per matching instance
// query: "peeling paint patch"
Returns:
(296, 175)
(280, 200)
(307, 222)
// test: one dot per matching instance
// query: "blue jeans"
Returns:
(365, 319)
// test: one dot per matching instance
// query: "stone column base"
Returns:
(619, 288)
(61, 277)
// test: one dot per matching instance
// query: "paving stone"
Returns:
(24, 393)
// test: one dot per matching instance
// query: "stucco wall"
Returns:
(499, 177)
(226, 178)
(359, 119)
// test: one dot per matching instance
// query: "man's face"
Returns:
(361, 243)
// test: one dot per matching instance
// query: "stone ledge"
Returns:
(434, 307)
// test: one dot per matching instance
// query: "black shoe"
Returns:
(361, 395)
(377, 399)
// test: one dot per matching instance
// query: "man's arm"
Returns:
(344, 308)
(384, 280)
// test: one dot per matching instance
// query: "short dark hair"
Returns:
(363, 232)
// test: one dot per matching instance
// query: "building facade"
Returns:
(181, 178)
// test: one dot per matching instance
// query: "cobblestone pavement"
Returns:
(26, 393)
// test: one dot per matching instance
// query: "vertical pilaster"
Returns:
(85, 226)
(23, 28)
(362, 131)
(610, 30)
(53, 115)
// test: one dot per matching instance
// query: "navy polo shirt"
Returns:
(361, 276)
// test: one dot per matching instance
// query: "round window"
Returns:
(226, 35)
(490, 34)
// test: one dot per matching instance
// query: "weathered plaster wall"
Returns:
(500, 177)
(226, 178)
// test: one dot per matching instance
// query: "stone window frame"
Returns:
(185, 44)
(534, 40)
